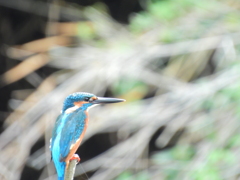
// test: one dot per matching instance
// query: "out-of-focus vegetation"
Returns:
(177, 65)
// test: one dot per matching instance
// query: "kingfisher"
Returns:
(71, 126)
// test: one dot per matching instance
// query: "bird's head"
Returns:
(85, 100)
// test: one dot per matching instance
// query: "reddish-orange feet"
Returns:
(75, 156)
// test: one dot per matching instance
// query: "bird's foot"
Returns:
(75, 156)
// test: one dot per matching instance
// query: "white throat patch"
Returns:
(72, 109)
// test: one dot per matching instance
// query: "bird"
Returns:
(70, 127)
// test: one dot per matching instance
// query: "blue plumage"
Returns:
(55, 148)
(75, 97)
(70, 127)
(71, 131)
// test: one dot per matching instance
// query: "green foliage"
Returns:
(141, 22)
(164, 11)
(183, 152)
(233, 142)
(142, 176)
(125, 175)
(228, 97)
(208, 104)
(167, 10)
(220, 157)
(232, 92)
(129, 175)
(180, 153)
(86, 31)
(166, 15)
(171, 174)
(169, 35)
(217, 160)
(232, 20)
(173, 160)
(134, 88)
(162, 157)
(206, 172)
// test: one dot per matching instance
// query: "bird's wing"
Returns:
(54, 132)
(71, 132)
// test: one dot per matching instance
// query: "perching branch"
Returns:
(69, 174)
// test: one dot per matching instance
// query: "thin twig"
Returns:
(69, 174)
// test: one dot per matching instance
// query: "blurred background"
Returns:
(176, 62)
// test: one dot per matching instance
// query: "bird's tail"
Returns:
(60, 178)
(61, 170)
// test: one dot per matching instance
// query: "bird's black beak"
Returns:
(106, 100)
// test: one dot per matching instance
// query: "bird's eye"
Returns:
(86, 99)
